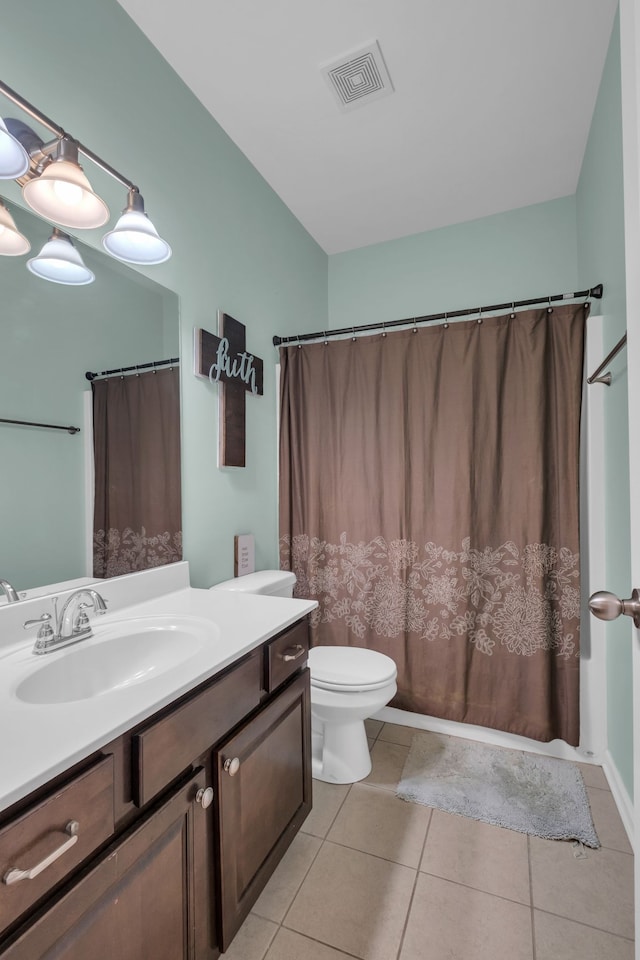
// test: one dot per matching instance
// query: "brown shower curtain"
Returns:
(137, 514)
(429, 502)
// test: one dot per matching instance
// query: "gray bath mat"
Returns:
(521, 791)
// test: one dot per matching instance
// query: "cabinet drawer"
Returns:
(30, 842)
(170, 745)
(286, 654)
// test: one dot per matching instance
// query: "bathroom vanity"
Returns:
(158, 842)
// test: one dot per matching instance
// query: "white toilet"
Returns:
(348, 684)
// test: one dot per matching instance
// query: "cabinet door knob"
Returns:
(204, 797)
(231, 766)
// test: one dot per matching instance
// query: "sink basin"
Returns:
(117, 657)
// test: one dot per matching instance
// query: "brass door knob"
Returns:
(606, 606)
(231, 766)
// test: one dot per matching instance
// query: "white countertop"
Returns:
(39, 741)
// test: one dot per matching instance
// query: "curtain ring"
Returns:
(513, 310)
(415, 325)
(549, 308)
(445, 325)
(353, 331)
(384, 332)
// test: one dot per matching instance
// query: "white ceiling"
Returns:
(491, 110)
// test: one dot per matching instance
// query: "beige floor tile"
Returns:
(452, 922)
(376, 821)
(275, 899)
(373, 727)
(388, 760)
(560, 939)
(252, 940)
(478, 855)
(607, 821)
(593, 775)
(597, 890)
(292, 946)
(353, 902)
(327, 800)
(396, 733)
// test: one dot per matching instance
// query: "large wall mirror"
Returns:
(50, 335)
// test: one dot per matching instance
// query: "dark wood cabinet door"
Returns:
(150, 895)
(263, 789)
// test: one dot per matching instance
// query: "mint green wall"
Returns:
(600, 221)
(237, 247)
(235, 244)
(524, 253)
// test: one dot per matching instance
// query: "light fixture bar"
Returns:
(55, 186)
(60, 132)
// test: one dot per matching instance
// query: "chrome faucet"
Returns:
(71, 625)
(12, 596)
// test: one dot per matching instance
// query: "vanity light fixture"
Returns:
(12, 242)
(62, 192)
(14, 159)
(56, 187)
(134, 238)
(60, 262)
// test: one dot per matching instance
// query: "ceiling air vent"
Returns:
(358, 77)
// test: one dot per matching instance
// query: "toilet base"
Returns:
(340, 751)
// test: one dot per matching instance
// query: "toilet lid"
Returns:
(352, 667)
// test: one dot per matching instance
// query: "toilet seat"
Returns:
(350, 669)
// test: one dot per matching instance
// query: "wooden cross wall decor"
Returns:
(224, 360)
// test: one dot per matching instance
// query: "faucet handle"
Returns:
(44, 622)
(81, 622)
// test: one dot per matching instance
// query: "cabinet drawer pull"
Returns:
(204, 797)
(231, 766)
(14, 874)
(293, 653)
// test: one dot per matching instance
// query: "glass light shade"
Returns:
(60, 262)
(14, 159)
(12, 242)
(134, 239)
(63, 194)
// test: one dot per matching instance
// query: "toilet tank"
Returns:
(274, 583)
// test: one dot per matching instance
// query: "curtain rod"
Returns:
(606, 378)
(138, 366)
(596, 292)
(49, 426)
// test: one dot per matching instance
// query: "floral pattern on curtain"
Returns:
(429, 502)
(137, 511)
(513, 595)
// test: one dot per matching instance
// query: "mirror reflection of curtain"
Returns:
(429, 502)
(137, 514)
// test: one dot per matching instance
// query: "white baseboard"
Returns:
(497, 738)
(620, 794)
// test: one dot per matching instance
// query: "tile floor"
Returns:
(375, 878)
